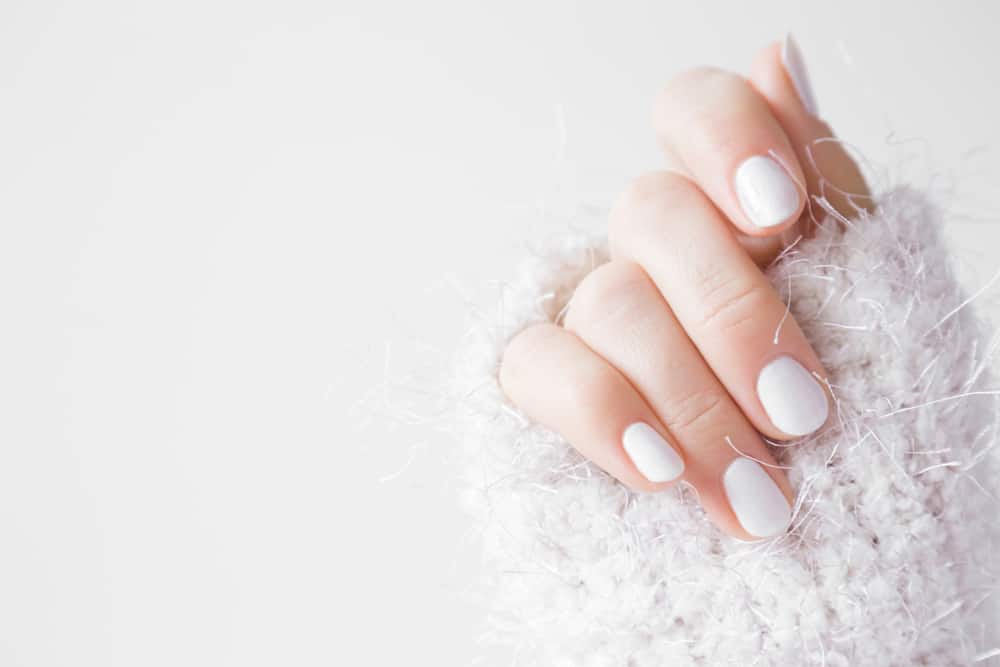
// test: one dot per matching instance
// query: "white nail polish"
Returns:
(795, 65)
(766, 192)
(651, 454)
(792, 398)
(756, 500)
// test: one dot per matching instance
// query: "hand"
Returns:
(678, 354)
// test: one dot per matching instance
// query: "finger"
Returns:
(779, 73)
(725, 304)
(559, 382)
(733, 147)
(620, 315)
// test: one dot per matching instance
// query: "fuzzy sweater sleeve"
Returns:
(892, 555)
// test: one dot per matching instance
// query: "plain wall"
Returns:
(235, 235)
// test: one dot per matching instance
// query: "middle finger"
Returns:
(728, 308)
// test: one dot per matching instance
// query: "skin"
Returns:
(675, 329)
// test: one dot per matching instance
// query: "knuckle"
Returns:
(700, 103)
(606, 293)
(521, 352)
(697, 410)
(536, 353)
(696, 90)
(656, 186)
(697, 79)
(652, 193)
(729, 301)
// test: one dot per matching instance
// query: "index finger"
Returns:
(724, 133)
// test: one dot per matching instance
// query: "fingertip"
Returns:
(771, 193)
(639, 484)
(658, 462)
(756, 497)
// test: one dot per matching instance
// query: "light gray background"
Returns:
(235, 235)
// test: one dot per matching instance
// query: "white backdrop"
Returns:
(223, 224)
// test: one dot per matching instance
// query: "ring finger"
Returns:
(619, 313)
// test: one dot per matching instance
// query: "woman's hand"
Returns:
(678, 354)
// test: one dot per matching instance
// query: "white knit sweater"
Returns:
(892, 558)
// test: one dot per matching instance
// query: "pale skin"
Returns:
(675, 331)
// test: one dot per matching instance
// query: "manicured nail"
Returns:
(651, 454)
(795, 65)
(792, 398)
(756, 500)
(766, 192)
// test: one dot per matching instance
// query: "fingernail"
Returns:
(766, 192)
(795, 65)
(792, 398)
(651, 454)
(757, 502)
